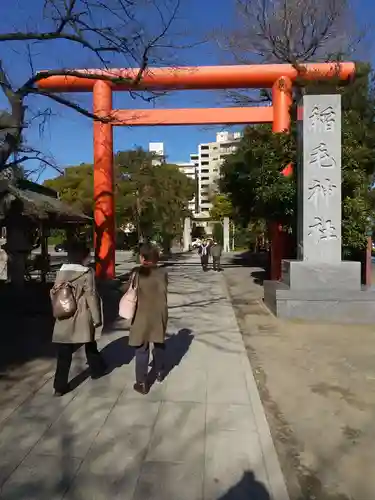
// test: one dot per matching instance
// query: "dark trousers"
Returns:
(216, 263)
(142, 358)
(204, 262)
(64, 361)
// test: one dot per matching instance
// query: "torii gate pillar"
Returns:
(104, 211)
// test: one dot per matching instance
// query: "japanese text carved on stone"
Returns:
(321, 158)
(322, 230)
(322, 119)
(321, 188)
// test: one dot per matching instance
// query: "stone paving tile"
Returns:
(76, 428)
(156, 393)
(7, 410)
(106, 476)
(221, 472)
(41, 478)
(162, 481)
(227, 385)
(22, 433)
(109, 387)
(194, 357)
(15, 396)
(43, 408)
(229, 417)
(222, 343)
(179, 433)
(133, 412)
(186, 384)
(10, 459)
(133, 442)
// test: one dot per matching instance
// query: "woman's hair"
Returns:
(150, 255)
(77, 252)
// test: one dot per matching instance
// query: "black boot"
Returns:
(141, 388)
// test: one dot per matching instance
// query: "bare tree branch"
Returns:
(290, 31)
(72, 105)
(104, 28)
(12, 137)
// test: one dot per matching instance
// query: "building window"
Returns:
(204, 147)
(205, 155)
(205, 170)
(205, 163)
(205, 178)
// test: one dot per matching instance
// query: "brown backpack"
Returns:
(64, 302)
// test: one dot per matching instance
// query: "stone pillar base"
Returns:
(306, 275)
(329, 293)
(328, 306)
(3, 265)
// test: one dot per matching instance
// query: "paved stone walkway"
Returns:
(201, 435)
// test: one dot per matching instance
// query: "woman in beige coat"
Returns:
(150, 320)
(86, 324)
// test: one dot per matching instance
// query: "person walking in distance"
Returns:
(84, 325)
(216, 251)
(149, 324)
(204, 253)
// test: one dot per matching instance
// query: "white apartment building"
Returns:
(189, 169)
(208, 162)
(157, 148)
(204, 167)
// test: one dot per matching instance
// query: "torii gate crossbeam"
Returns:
(102, 83)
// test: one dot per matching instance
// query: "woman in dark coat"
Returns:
(151, 317)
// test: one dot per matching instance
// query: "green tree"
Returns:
(154, 198)
(252, 176)
(75, 187)
(221, 207)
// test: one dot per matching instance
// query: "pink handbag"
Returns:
(128, 302)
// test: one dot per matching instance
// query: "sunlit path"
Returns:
(202, 434)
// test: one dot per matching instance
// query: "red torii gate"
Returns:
(279, 77)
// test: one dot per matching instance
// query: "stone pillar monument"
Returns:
(226, 247)
(319, 285)
(187, 234)
(319, 264)
(3, 265)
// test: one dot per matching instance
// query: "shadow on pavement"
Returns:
(177, 347)
(26, 325)
(247, 488)
(259, 277)
(118, 353)
(250, 259)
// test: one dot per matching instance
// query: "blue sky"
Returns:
(68, 136)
